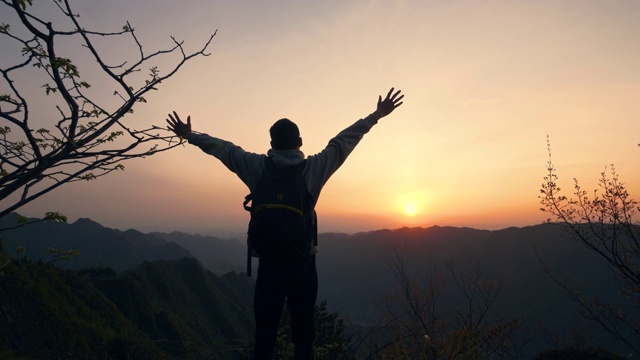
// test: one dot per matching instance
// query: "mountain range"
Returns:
(355, 271)
(97, 245)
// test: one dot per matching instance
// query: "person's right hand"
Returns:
(177, 126)
(390, 103)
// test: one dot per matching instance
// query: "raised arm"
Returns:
(248, 166)
(323, 164)
(390, 103)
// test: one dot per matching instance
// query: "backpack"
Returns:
(283, 220)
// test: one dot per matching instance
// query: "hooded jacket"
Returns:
(249, 166)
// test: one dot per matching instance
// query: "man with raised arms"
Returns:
(292, 282)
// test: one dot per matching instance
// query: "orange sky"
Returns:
(485, 83)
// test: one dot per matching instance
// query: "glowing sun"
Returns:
(412, 204)
(410, 208)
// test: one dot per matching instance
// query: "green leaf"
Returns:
(49, 89)
(111, 137)
(54, 215)
(8, 98)
(23, 3)
(23, 220)
(18, 146)
(87, 177)
(66, 65)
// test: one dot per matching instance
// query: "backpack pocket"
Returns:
(278, 233)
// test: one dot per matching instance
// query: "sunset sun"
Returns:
(411, 204)
(410, 208)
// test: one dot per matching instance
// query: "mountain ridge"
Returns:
(97, 245)
(354, 273)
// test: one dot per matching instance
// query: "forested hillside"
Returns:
(159, 310)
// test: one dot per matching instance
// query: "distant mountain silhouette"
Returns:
(98, 245)
(217, 255)
(353, 270)
(354, 276)
(356, 264)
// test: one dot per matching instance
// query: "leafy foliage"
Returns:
(332, 341)
(186, 309)
(161, 310)
(51, 313)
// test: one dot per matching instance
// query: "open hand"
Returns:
(390, 103)
(177, 126)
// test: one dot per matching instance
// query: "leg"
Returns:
(268, 303)
(301, 301)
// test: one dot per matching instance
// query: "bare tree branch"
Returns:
(606, 224)
(83, 140)
(418, 323)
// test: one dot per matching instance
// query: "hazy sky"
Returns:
(485, 83)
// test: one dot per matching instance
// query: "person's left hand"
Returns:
(177, 126)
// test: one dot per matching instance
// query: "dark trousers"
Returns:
(296, 282)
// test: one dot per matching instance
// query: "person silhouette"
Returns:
(295, 282)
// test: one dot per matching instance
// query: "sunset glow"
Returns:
(485, 83)
(410, 208)
(412, 205)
